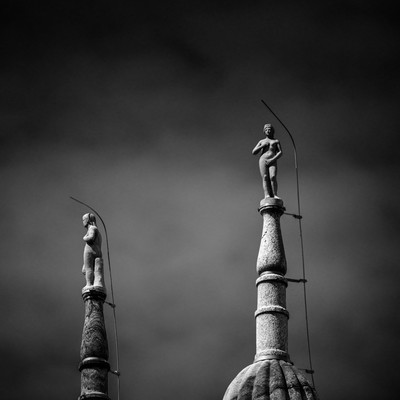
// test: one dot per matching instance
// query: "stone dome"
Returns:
(270, 380)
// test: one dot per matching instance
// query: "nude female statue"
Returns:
(92, 256)
(270, 152)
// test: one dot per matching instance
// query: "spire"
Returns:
(271, 314)
(94, 366)
(272, 374)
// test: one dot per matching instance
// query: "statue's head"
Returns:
(88, 219)
(269, 130)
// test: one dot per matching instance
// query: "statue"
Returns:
(270, 152)
(92, 256)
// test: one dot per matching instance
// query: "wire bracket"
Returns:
(296, 216)
(296, 280)
(306, 370)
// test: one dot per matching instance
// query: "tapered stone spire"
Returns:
(272, 375)
(94, 366)
(271, 314)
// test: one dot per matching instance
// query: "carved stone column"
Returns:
(271, 314)
(94, 364)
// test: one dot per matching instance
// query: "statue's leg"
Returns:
(264, 170)
(268, 189)
(98, 272)
(273, 170)
(88, 264)
(84, 263)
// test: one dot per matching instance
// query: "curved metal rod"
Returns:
(112, 290)
(287, 130)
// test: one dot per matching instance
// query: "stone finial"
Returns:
(270, 152)
(92, 257)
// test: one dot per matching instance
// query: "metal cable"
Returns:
(112, 305)
(299, 218)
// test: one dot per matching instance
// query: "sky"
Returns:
(149, 112)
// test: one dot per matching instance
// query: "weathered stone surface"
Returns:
(270, 379)
(261, 383)
(94, 364)
(94, 380)
(271, 290)
(271, 336)
(271, 318)
(271, 255)
(94, 336)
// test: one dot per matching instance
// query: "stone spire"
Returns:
(272, 375)
(271, 314)
(94, 366)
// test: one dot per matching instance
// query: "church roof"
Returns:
(270, 380)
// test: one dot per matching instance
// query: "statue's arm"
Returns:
(90, 235)
(279, 152)
(258, 147)
(277, 155)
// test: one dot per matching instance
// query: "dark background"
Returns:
(149, 112)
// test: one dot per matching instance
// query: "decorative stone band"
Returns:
(271, 202)
(94, 292)
(271, 309)
(94, 396)
(272, 354)
(267, 277)
(94, 362)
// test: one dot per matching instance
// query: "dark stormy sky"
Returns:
(149, 112)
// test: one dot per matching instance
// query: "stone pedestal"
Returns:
(271, 256)
(94, 364)
(271, 314)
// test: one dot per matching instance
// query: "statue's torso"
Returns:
(94, 247)
(270, 149)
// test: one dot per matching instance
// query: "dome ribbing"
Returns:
(270, 380)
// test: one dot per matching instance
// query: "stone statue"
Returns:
(92, 257)
(270, 152)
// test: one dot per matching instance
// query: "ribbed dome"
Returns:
(270, 380)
